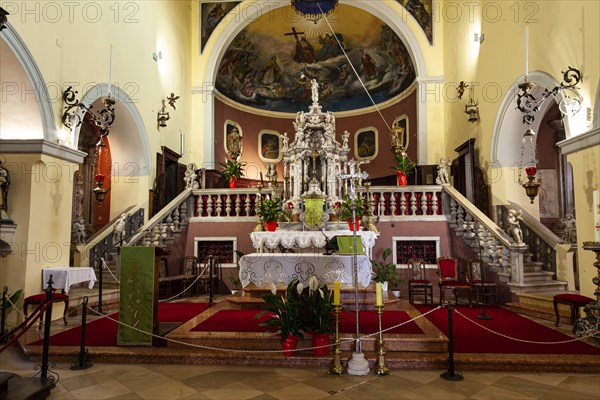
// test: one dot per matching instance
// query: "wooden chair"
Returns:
(574, 301)
(205, 280)
(37, 299)
(484, 288)
(168, 286)
(448, 279)
(417, 283)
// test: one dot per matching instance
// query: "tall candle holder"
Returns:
(336, 367)
(380, 367)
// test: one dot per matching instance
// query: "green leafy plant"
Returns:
(232, 169)
(363, 206)
(317, 308)
(403, 163)
(270, 209)
(384, 271)
(285, 312)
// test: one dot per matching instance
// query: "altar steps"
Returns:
(430, 341)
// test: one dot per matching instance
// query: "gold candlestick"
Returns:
(336, 367)
(380, 367)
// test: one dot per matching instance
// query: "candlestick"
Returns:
(261, 177)
(336, 293)
(526, 49)
(336, 367)
(378, 295)
(380, 367)
(109, 71)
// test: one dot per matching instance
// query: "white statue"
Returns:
(120, 229)
(191, 179)
(315, 91)
(514, 228)
(442, 175)
(79, 231)
(569, 229)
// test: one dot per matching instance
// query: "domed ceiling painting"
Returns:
(270, 63)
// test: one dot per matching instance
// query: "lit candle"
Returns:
(336, 293)
(378, 294)
(109, 70)
(526, 49)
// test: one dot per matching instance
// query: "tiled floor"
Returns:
(153, 381)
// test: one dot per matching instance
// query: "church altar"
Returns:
(307, 239)
(262, 269)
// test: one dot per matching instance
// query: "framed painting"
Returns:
(269, 143)
(366, 144)
(233, 139)
(403, 137)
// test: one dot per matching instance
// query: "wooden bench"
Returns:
(574, 301)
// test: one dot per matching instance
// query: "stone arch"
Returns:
(130, 148)
(508, 127)
(245, 13)
(34, 75)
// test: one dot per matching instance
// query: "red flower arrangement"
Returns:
(530, 170)
(290, 205)
(100, 178)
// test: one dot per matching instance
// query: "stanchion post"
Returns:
(449, 375)
(4, 307)
(380, 367)
(100, 273)
(210, 281)
(83, 361)
(336, 367)
(47, 322)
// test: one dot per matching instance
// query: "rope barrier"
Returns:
(15, 307)
(523, 340)
(105, 266)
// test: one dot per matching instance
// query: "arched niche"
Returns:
(247, 12)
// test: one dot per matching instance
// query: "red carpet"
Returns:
(103, 331)
(470, 338)
(242, 321)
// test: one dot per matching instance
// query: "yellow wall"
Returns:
(70, 43)
(586, 179)
(43, 235)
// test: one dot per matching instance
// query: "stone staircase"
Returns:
(535, 279)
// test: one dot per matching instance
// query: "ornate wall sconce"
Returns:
(163, 116)
(472, 106)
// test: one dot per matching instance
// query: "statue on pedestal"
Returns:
(4, 184)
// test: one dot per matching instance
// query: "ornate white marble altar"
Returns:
(309, 241)
(265, 269)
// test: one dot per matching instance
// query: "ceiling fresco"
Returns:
(270, 63)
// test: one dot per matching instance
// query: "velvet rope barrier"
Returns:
(29, 325)
(7, 334)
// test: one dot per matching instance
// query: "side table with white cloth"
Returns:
(64, 277)
(269, 268)
(307, 240)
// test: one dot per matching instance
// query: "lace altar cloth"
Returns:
(264, 269)
(307, 239)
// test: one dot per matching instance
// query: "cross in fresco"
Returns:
(295, 33)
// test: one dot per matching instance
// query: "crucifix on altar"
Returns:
(357, 365)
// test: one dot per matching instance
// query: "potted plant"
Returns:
(404, 166)
(231, 171)
(285, 317)
(385, 272)
(317, 313)
(269, 210)
(345, 210)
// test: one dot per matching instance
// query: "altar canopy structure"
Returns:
(312, 164)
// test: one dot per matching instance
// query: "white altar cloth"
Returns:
(283, 267)
(307, 239)
(64, 277)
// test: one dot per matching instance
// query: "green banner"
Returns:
(136, 305)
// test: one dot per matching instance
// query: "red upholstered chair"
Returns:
(574, 301)
(448, 279)
(417, 282)
(37, 299)
(484, 288)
